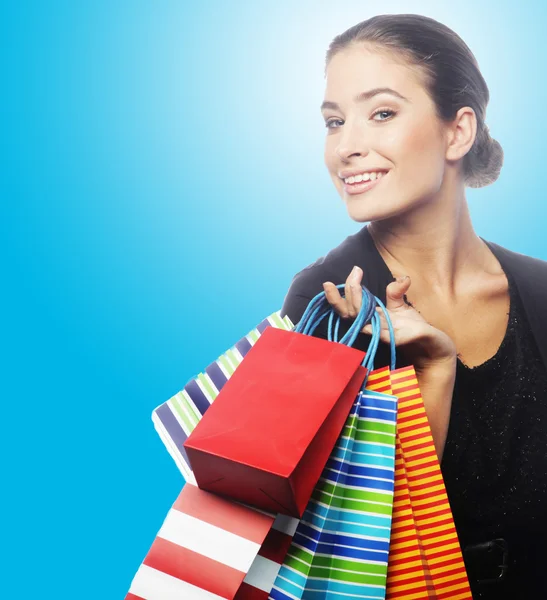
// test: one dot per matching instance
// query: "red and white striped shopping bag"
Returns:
(210, 548)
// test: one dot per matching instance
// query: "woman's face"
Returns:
(381, 121)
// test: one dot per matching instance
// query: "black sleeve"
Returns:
(304, 287)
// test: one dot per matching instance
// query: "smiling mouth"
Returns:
(360, 187)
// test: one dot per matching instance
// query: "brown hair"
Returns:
(453, 78)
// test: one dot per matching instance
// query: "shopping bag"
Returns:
(206, 545)
(425, 557)
(175, 419)
(290, 387)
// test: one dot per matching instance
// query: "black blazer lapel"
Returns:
(530, 276)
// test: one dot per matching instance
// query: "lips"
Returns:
(363, 186)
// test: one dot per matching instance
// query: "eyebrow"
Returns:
(364, 96)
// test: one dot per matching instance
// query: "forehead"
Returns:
(359, 68)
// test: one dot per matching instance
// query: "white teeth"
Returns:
(364, 177)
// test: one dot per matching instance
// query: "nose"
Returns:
(352, 141)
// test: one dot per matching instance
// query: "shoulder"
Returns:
(331, 266)
(530, 275)
(335, 266)
(519, 264)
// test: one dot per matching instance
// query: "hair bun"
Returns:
(485, 160)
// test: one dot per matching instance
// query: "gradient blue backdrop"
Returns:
(161, 166)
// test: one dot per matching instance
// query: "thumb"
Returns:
(395, 292)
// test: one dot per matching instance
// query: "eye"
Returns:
(383, 111)
(329, 123)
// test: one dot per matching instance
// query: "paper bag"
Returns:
(425, 558)
(266, 438)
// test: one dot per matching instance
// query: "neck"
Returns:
(435, 243)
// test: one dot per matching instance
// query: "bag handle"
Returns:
(318, 308)
(376, 321)
(375, 340)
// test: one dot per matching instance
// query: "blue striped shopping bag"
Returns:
(341, 546)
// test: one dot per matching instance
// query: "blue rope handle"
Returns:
(371, 315)
(364, 317)
(309, 314)
(391, 333)
(319, 308)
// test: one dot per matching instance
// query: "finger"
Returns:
(385, 337)
(335, 299)
(353, 293)
(395, 292)
(348, 294)
(356, 289)
(382, 322)
(384, 331)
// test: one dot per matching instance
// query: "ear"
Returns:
(461, 133)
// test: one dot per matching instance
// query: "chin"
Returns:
(367, 207)
(362, 212)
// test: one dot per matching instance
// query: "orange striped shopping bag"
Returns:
(425, 559)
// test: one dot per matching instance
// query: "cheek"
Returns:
(330, 157)
(420, 150)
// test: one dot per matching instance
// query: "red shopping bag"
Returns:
(268, 434)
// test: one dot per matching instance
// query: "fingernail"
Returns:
(355, 270)
(402, 279)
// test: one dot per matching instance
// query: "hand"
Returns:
(425, 345)
(431, 351)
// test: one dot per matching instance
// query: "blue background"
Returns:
(160, 163)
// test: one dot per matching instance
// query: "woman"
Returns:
(405, 115)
